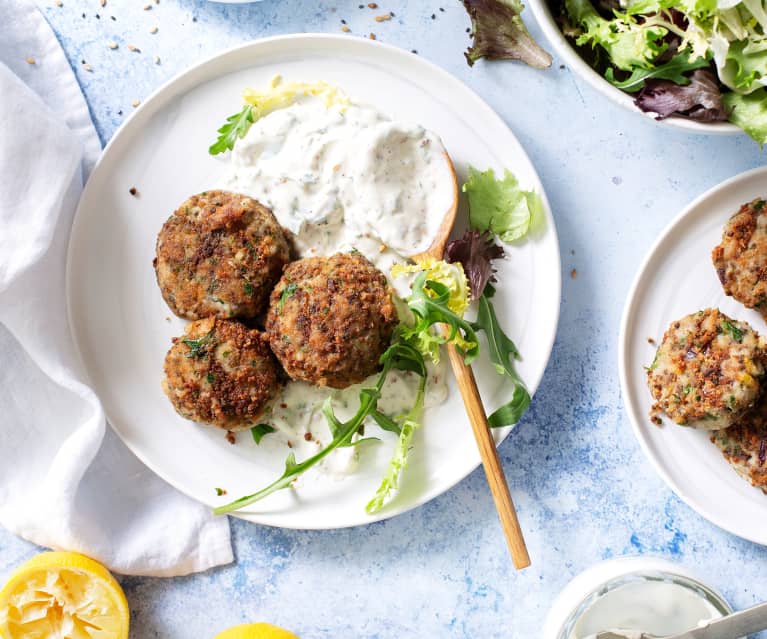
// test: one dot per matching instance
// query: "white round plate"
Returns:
(678, 278)
(123, 328)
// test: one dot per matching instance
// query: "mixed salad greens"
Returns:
(704, 60)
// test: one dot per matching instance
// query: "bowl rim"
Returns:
(565, 50)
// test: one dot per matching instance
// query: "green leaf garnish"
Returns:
(734, 331)
(287, 292)
(198, 347)
(502, 352)
(499, 205)
(674, 70)
(429, 303)
(259, 430)
(235, 127)
(399, 356)
(248, 289)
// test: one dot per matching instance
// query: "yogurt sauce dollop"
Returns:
(340, 178)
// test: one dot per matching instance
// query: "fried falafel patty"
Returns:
(219, 254)
(330, 319)
(221, 373)
(708, 370)
(744, 444)
(741, 259)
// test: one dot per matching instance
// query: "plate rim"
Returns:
(623, 346)
(322, 38)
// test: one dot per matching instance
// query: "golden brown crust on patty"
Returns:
(741, 258)
(221, 373)
(219, 254)
(330, 319)
(744, 444)
(708, 370)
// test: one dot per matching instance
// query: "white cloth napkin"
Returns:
(66, 480)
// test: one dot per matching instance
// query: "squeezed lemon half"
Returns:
(63, 595)
(256, 631)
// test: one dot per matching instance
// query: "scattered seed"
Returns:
(112, 45)
(153, 30)
(135, 103)
(133, 191)
(414, 51)
(383, 18)
(345, 29)
(308, 437)
(103, 3)
(573, 273)
(372, 36)
(134, 48)
(88, 68)
(167, 318)
(343, 21)
(156, 59)
(433, 16)
(147, 7)
(31, 61)
(58, 3)
(230, 437)
(372, 5)
(651, 341)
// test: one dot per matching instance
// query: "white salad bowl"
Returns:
(569, 54)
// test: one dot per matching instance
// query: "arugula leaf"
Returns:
(674, 70)
(498, 33)
(502, 353)
(429, 303)
(475, 251)
(259, 430)
(235, 127)
(399, 356)
(198, 347)
(499, 205)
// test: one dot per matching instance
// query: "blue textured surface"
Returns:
(582, 486)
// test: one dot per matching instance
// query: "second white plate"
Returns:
(678, 278)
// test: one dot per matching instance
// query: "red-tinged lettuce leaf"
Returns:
(498, 33)
(701, 99)
(475, 251)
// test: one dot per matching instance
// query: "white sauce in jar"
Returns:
(339, 178)
(649, 605)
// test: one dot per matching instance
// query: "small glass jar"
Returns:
(575, 611)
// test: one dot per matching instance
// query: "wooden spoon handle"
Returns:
(490, 460)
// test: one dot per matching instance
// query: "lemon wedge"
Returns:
(63, 595)
(256, 631)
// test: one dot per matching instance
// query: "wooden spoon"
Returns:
(476, 412)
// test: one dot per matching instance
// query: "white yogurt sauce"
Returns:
(346, 176)
(298, 412)
(338, 178)
(650, 606)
